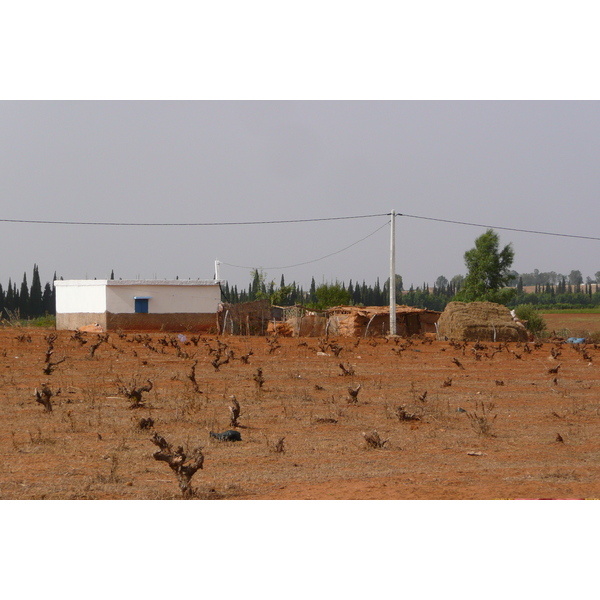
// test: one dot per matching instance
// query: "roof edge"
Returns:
(148, 282)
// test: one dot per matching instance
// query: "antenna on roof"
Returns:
(217, 270)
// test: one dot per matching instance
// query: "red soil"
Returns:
(91, 446)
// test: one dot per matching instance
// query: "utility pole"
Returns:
(393, 275)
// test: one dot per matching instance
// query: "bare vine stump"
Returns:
(235, 412)
(353, 397)
(192, 378)
(44, 397)
(403, 415)
(245, 358)
(183, 466)
(258, 378)
(347, 371)
(373, 440)
(134, 392)
(101, 339)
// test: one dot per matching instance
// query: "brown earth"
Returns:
(573, 324)
(506, 444)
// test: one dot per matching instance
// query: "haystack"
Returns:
(480, 321)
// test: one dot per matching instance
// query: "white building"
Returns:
(138, 304)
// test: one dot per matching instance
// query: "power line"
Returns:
(284, 221)
(567, 235)
(214, 224)
(316, 259)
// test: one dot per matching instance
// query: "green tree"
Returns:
(529, 314)
(258, 287)
(399, 289)
(331, 294)
(488, 271)
(575, 277)
(282, 295)
(457, 282)
(441, 283)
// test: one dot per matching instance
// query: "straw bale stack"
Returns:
(480, 321)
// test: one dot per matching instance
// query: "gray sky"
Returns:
(521, 164)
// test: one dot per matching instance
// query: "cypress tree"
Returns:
(377, 295)
(9, 301)
(35, 294)
(15, 297)
(357, 296)
(47, 300)
(2, 299)
(53, 306)
(312, 297)
(24, 299)
(520, 286)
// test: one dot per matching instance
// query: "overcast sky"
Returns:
(517, 164)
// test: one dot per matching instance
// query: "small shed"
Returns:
(362, 321)
(137, 304)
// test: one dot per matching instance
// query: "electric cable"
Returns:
(567, 235)
(316, 259)
(214, 224)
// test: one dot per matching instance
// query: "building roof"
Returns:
(145, 282)
(369, 311)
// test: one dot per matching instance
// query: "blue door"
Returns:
(141, 305)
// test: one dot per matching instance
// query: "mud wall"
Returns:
(76, 320)
(200, 322)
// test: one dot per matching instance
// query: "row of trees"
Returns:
(489, 278)
(574, 278)
(28, 301)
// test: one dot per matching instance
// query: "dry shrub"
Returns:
(481, 418)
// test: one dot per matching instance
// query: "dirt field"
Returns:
(526, 432)
(573, 324)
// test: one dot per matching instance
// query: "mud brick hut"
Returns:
(480, 321)
(363, 321)
(136, 304)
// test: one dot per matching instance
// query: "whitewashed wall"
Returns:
(164, 298)
(117, 296)
(80, 296)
